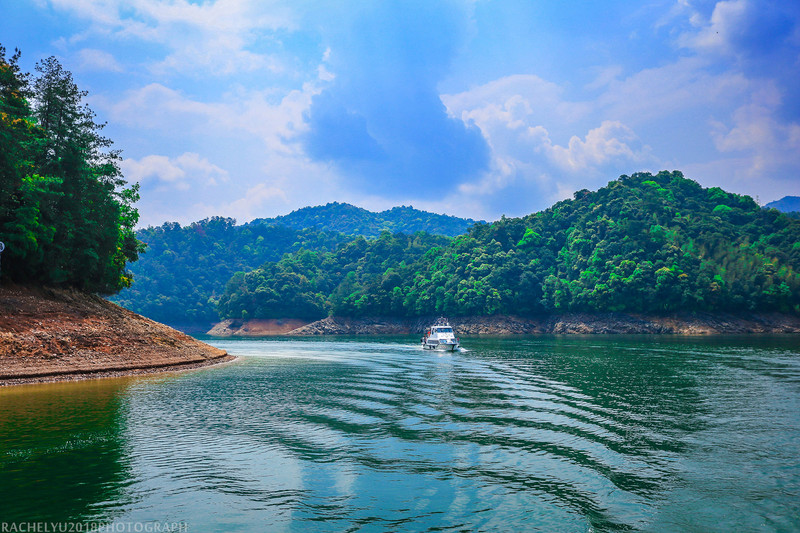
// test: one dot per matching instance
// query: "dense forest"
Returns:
(66, 217)
(185, 269)
(360, 277)
(644, 243)
(352, 220)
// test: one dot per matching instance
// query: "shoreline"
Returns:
(689, 324)
(49, 335)
(110, 373)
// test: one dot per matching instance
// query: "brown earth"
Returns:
(54, 335)
(256, 327)
(567, 323)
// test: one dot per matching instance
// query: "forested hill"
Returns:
(186, 268)
(644, 243)
(352, 220)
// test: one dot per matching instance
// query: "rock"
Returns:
(566, 323)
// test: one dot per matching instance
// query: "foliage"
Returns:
(352, 220)
(184, 272)
(185, 268)
(644, 243)
(65, 213)
(357, 278)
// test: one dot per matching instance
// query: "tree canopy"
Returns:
(66, 216)
(644, 243)
(352, 220)
(185, 271)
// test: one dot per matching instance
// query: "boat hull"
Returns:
(440, 346)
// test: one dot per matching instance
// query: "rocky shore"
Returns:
(56, 335)
(567, 323)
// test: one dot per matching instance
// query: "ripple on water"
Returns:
(547, 433)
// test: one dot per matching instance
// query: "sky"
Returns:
(474, 108)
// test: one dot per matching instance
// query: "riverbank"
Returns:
(58, 335)
(567, 323)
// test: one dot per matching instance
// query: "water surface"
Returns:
(539, 433)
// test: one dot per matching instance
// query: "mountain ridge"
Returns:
(353, 220)
(787, 204)
(644, 244)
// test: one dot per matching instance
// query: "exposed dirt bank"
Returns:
(576, 323)
(55, 335)
(256, 328)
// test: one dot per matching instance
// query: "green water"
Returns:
(517, 434)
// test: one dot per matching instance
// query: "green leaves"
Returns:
(63, 206)
(621, 248)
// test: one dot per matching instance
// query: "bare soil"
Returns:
(55, 334)
(566, 323)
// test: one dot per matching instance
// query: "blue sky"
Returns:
(476, 108)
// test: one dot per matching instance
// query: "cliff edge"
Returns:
(54, 334)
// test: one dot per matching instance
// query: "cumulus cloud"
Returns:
(178, 173)
(609, 143)
(523, 119)
(380, 118)
(244, 113)
(209, 38)
(759, 38)
(745, 28)
(756, 129)
(249, 206)
(512, 114)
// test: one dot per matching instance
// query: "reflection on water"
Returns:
(61, 455)
(551, 433)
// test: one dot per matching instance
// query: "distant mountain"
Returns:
(786, 204)
(352, 220)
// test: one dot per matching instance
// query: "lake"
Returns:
(572, 433)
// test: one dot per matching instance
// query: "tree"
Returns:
(65, 210)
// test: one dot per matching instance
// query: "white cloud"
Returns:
(727, 20)
(206, 39)
(252, 204)
(612, 141)
(515, 115)
(93, 59)
(757, 130)
(525, 97)
(537, 158)
(275, 118)
(653, 93)
(174, 173)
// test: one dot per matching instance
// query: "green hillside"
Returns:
(352, 220)
(185, 267)
(643, 243)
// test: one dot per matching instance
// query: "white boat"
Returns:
(440, 336)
